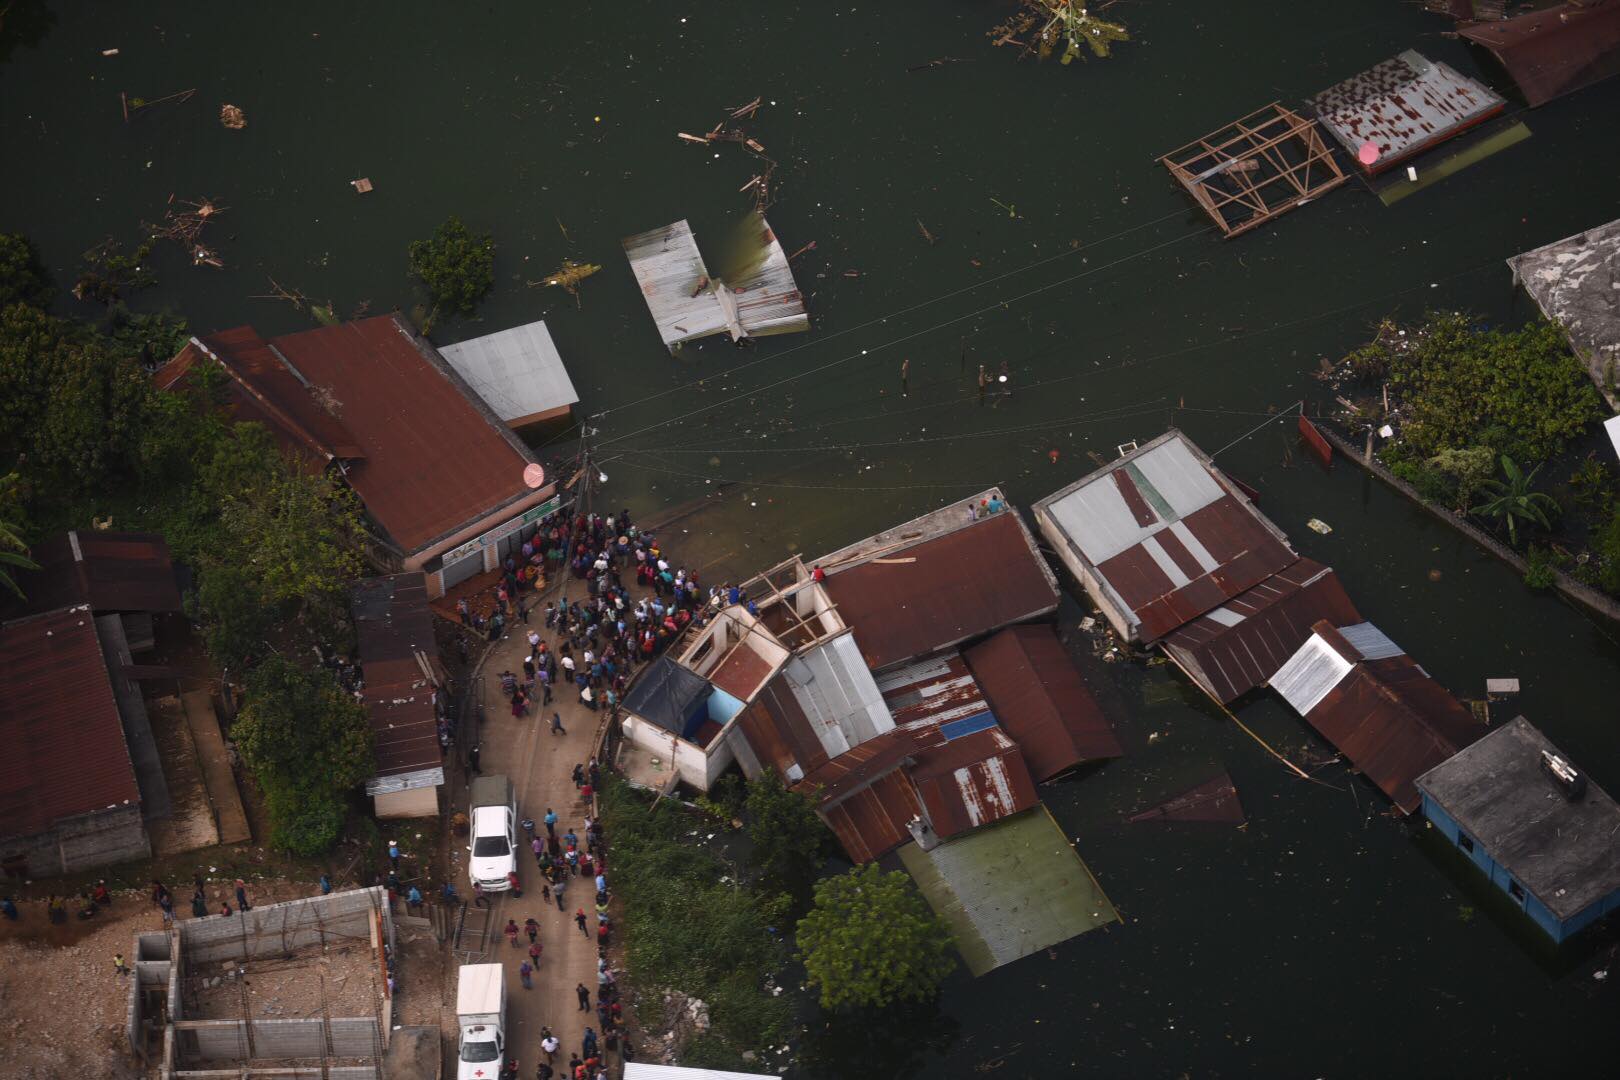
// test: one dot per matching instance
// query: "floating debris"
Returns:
(1216, 799)
(232, 117)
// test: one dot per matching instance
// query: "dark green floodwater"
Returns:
(1322, 940)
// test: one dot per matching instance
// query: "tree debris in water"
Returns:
(185, 227)
(232, 117)
(133, 105)
(760, 182)
(1066, 27)
(569, 277)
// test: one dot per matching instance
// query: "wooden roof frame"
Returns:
(1255, 168)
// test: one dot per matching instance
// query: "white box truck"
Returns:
(481, 1013)
(493, 840)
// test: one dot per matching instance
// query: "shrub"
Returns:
(871, 941)
(1541, 571)
(1608, 553)
(1467, 469)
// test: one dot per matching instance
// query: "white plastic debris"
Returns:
(1387, 432)
(1318, 525)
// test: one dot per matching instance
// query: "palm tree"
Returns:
(13, 552)
(1515, 499)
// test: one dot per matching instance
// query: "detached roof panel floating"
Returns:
(688, 302)
(1378, 707)
(1255, 168)
(1403, 106)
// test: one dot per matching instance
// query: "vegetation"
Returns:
(308, 743)
(789, 842)
(22, 275)
(1607, 543)
(1541, 567)
(109, 273)
(1515, 500)
(870, 941)
(691, 926)
(1044, 27)
(13, 552)
(1517, 392)
(456, 265)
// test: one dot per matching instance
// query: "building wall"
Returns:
(82, 843)
(697, 767)
(1117, 618)
(1550, 924)
(411, 803)
(435, 582)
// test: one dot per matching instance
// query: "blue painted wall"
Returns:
(1538, 912)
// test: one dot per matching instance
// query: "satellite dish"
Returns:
(533, 475)
(1368, 152)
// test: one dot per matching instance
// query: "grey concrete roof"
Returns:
(518, 372)
(1576, 283)
(1566, 853)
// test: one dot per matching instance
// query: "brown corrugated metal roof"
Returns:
(948, 589)
(65, 752)
(972, 781)
(392, 623)
(436, 459)
(741, 671)
(836, 778)
(933, 691)
(1213, 800)
(1244, 552)
(1041, 700)
(1236, 647)
(779, 732)
(872, 822)
(1391, 720)
(1557, 50)
(110, 571)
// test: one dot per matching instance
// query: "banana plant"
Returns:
(1514, 499)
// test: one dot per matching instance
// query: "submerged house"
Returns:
(1377, 705)
(754, 298)
(1574, 281)
(1550, 841)
(1174, 554)
(441, 477)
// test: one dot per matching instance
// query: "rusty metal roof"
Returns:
(943, 591)
(393, 624)
(1042, 700)
(1404, 106)
(972, 780)
(110, 571)
(1557, 50)
(839, 777)
(1386, 715)
(938, 690)
(742, 671)
(1165, 534)
(65, 751)
(872, 822)
(1233, 648)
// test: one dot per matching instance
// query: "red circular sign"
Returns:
(534, 475)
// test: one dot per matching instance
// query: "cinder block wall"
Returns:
(341, 918)
(80, 843)
(307, 1072)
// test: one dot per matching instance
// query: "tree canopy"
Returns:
(457, 266)
(307, 744)
(788, 841)
(22, 276)
(871, 940)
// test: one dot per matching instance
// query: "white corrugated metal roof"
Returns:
(1370, 641)
(639, 1070)
(518, 372)
(1310, 674)
(1172, 480)
(835, 689)
(687, 303)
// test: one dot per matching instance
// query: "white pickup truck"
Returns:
(481, 1014)
(493, 833)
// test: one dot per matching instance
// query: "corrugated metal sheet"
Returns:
(1236, 647)
(110, 571)
(437, 460)
(1371, 642)
(518, 372)
(872, 822)
(1404, 106)
(1165, 535)
(636, 1070)
(837, 692)
(930, 692)
(839, 777)
(65, 752)
(1557, 50)
(1042, 700)
(1564, 852)
(392, 624)
(1387, 716)
(687, 303)
(1214, 800)
(952, 588)
(1574, 281)
(972, 781)
(741, 672)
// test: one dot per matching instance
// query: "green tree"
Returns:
(13, 551)
(870, 940)
(1520, 392)
(457, 266)
(788, 841)
(1607, 543)
(1515, 500)
(1469, 469)
(307, 744)
(22, 276)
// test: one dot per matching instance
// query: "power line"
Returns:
(806, 487)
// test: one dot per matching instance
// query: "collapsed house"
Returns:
(440, 476)
(755, 297)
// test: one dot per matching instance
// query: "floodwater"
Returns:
(1322, 939)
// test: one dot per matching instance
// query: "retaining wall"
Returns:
(198, 1041)
(306, 1072)
(282, 928)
